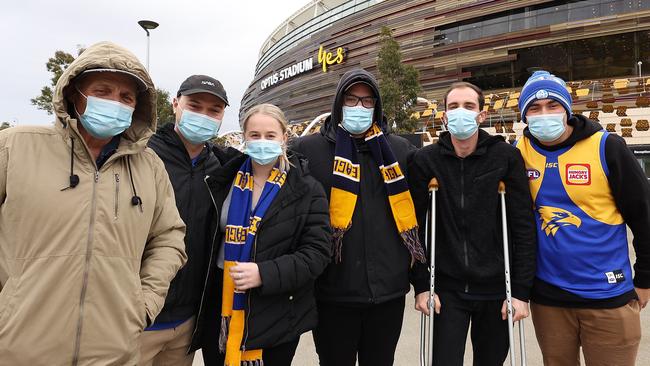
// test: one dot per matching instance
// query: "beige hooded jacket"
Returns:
(82, 270)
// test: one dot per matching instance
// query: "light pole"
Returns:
(147, 25)
(640, 75)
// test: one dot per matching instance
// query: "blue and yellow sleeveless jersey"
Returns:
(582, 238)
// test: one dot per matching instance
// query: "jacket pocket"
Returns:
(141, 303)
(487, 173)
(6, 300)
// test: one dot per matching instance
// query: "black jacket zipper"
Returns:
(207, 275)
(462, 211)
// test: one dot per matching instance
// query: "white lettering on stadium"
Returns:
(287, 73)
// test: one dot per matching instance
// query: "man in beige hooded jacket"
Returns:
(90, 236)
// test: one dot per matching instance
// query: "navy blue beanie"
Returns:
(544, 85)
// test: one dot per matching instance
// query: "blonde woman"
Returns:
(275, 241)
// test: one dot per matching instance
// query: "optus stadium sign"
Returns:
(325, 59)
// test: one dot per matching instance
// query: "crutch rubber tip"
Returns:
(502, 187)
(433, 184)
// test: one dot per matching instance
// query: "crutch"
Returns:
(426, 330)
(506, 264)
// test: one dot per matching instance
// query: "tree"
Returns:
(398, 84)
(56, 65)
(164, 108)
(5, 125)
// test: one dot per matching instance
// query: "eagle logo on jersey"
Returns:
(554, 218)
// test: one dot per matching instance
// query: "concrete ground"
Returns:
(407, 353)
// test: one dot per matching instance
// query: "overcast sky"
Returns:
(214, 37)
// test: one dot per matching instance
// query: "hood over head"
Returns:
(109, 57)
(352, 77)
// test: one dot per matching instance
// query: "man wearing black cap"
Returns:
(188, 155)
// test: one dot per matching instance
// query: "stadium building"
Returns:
(601, 47)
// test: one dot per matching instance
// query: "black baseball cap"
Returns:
(202, 84)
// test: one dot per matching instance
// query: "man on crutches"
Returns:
(469, 259)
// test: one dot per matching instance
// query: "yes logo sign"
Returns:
(326, 58)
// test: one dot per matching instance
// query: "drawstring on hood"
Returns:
(74, 179)
(135, 200)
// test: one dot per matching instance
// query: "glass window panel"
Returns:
(643, 4)
(495, 26)
(470, 31)
(552, 15)
(493, 76)
(553, 58)
(584, 10)
(516, 21)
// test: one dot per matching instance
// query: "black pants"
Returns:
(372, 331)
(489, 333)
(280, 355)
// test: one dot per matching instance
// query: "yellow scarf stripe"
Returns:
(228, 290)
(403, 211)
(341, 208)
(235, 335)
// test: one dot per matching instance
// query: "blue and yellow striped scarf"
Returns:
(241, 227)
(345, 188)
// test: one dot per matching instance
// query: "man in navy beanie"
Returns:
(586, 187)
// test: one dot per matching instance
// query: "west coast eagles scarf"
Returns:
(239, 241)
(345, 188)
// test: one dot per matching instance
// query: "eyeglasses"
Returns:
(351, 100)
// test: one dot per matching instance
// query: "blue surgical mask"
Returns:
(357, 120)
(546, 127)
(262, 151)
(198, 128)
(105, 118)
(461, 123)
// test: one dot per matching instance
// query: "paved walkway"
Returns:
(407, 353)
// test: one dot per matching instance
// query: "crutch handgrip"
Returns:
(502, 187)
(433, 184)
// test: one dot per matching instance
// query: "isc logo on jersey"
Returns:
(578, 174)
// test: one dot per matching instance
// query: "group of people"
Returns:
(150, 244)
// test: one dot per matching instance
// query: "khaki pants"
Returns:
(609, 337)
(167, 347)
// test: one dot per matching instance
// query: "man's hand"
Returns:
(519, 308)
(422, 303)
(644, 296)
(245, 276)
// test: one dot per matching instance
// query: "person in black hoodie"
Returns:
(587, 186)
(469, 163)
(287, 243)
(361, 293)
(188, 157)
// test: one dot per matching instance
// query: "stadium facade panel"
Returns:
(601, 47)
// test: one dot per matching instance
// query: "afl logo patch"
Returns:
(533, 174)
(541, 94)
(578, 174)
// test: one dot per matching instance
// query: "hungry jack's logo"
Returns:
(553, 218)
(578, 174)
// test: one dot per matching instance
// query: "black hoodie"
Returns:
(195, 207)
(375, 262)
(631, 193)
(469, 240)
